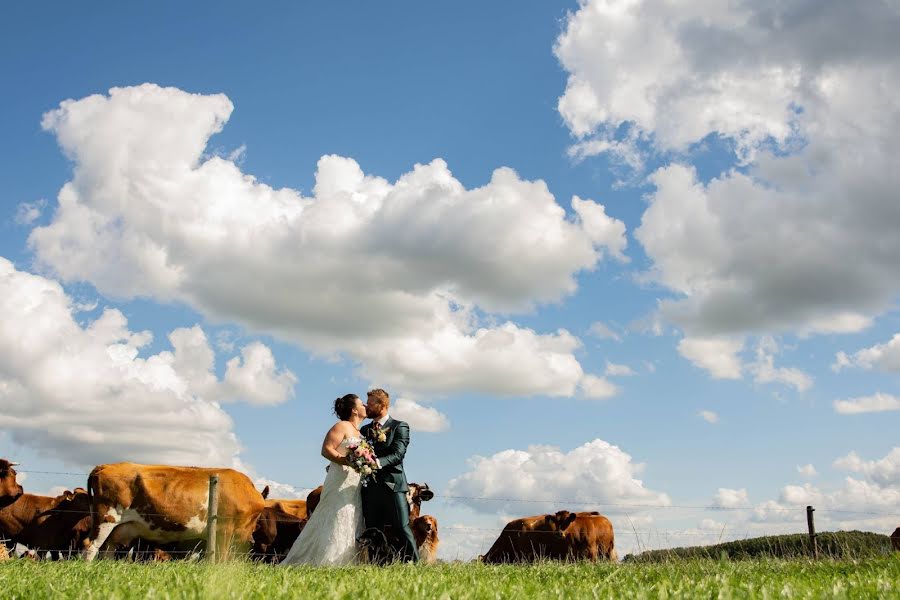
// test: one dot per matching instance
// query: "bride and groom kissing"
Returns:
(354, 499)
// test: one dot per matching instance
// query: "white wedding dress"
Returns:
(329, 537)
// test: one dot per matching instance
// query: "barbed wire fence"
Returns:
(620, 510)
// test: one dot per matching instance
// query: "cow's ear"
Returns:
(569, 520)
(265, 492)
(426, 494)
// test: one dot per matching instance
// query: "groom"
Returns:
(384, 499)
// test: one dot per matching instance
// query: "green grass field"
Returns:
(870, 578)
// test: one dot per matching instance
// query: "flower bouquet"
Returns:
(361, 458)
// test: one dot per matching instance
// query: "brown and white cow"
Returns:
(278, 527)
(417, 494)
(561, 536)
(163, 504)
(425, 530)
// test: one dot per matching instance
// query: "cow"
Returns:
(164, 504)
(9, 488)
(425, 530)
(278, 527)
(561, 536)
(312, 500)
(417, 494)
(54, 524)
(895, 539)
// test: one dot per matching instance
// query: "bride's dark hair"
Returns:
(343, 406)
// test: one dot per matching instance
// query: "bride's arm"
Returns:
(331, 447)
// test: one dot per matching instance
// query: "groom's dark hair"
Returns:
(380, 397)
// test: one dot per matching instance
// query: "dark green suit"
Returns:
(384, 499)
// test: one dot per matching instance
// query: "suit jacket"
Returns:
(390, 453)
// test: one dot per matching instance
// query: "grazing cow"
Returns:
(895, 539)
(561, 536)
(278, 527)
(163, 504)
(312, 500)
(46, 523)
(425, 530)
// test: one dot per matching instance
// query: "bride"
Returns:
(329, 537)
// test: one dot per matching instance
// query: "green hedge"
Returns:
(837, 544)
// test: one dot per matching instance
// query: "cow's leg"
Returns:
(122, 535)
(107, 519)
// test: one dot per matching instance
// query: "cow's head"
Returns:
(417, 494)
(9, 488)
(559, 522)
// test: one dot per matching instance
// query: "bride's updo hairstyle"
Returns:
(343, 406)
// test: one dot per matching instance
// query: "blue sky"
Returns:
(756, 241)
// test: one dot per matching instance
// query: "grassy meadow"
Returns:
(769, 578)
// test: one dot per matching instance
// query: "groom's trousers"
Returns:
(383, 506)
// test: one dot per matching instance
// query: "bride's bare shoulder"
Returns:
(341, 427)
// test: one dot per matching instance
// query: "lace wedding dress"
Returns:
(329, 537)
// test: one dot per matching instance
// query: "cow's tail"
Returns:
(613, 555)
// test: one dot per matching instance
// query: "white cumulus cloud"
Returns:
(87, 395)
(615, 370)
(885, 357)
(718, 356)
(799, 234)
(877, 402)
(807, 470)
(389, 274)
(419, 417)
(731, 498)
(596, 473)
(883, 472)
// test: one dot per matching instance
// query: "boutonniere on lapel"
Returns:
(379, 433)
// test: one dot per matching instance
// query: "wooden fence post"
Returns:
(813, 544)
(212, 518)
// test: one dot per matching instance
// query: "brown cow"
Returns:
(55, 524)
(163, 504)
(278, 527)
(312, 500)
(9, 488)
(425, 530)
(895, 539)
(561, 536)
(417, 494)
